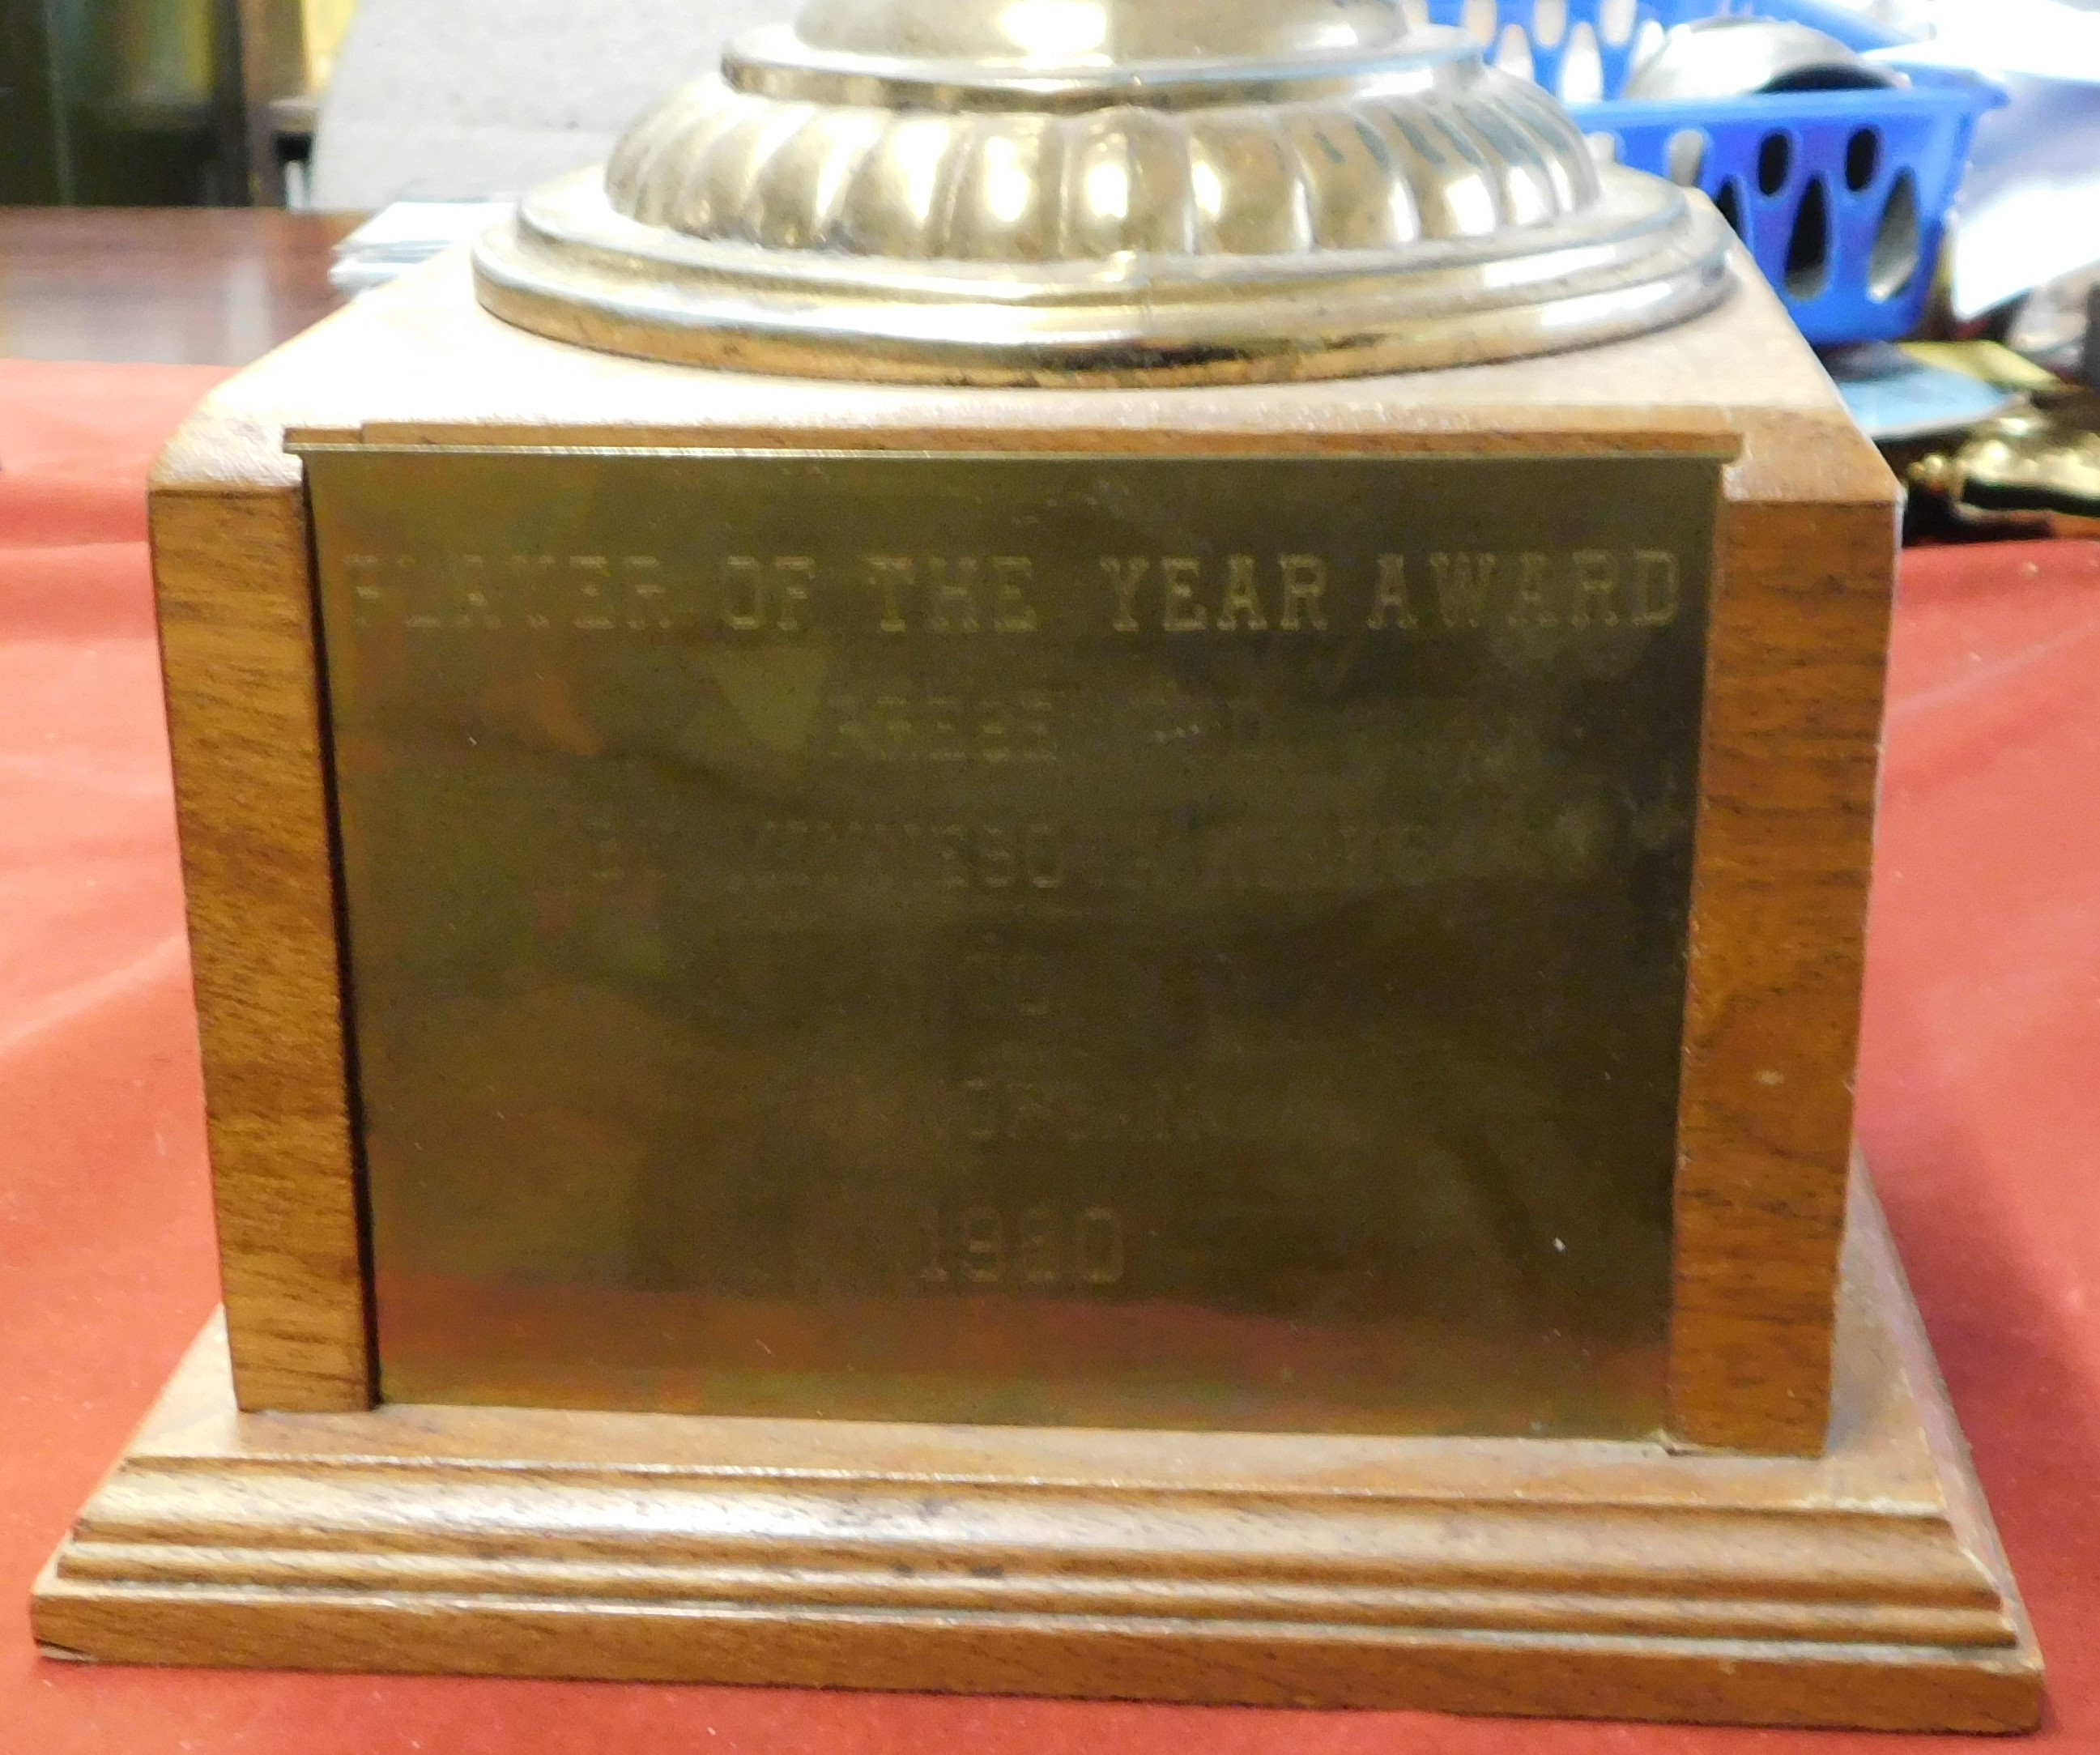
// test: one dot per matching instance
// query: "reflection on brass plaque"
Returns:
(1059, 940)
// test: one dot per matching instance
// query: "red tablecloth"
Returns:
(1981, 1110)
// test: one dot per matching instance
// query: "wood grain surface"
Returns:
(1862, 1588)
(1785, 843)
(1803, 579)
(199, 286)
(243, 714)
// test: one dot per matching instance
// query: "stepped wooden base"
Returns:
(1865, 1588)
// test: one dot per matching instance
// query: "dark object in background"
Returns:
(32, 155)
(121, 102)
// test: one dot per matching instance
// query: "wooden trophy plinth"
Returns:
(449, 1424)
(1864, 1587)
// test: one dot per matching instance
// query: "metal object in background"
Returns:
(1103, 190)
(2020, 470)
(2057, 325)
(1734, 57)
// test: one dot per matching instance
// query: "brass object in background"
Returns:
(155, 59)
(1103, 191)
(2021, 469)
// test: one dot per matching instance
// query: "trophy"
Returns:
(1039, 868)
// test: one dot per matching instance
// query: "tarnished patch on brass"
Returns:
(1044, 939)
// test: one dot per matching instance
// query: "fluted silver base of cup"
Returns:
(1641, 256)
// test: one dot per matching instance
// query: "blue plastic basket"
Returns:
(1842, 196)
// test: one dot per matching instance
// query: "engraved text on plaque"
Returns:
(1058, 940)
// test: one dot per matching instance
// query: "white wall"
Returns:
(441, 99)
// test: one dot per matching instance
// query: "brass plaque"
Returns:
(1187, 943)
